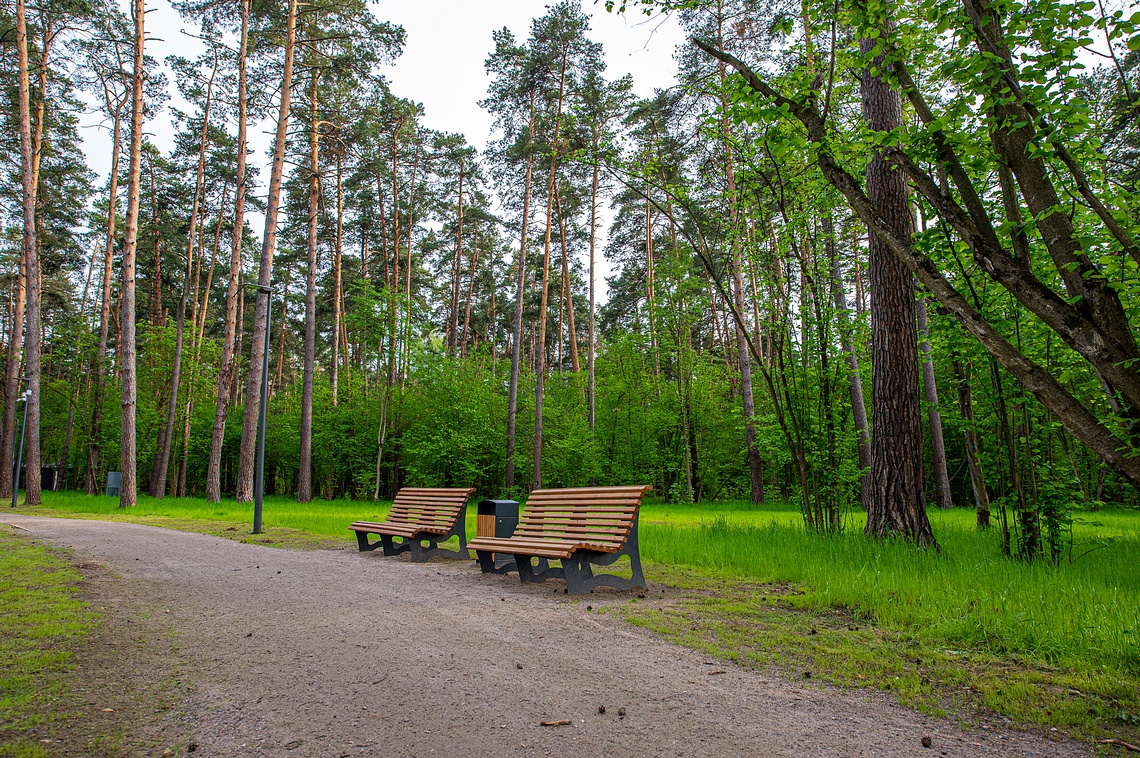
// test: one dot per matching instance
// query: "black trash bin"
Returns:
(497, 518)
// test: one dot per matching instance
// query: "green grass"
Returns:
(42, 620)
(951, 631)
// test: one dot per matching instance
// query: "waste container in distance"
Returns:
(497, 518)
(114, 479)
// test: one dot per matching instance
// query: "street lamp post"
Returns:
(259, 471)
(20, 459)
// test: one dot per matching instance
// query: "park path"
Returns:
(338, 653)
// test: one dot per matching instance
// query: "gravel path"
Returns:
(338, 653)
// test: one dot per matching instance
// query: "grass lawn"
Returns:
(42, 621)
(963, 630)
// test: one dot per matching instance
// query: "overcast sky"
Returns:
(441, 67)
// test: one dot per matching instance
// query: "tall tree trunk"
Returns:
(895, 497)
(934, 416)
(226, 374)
(156, 318)
(393, 303)
(520, 293)
(590, 318)
(128, 494)
(854, 377)
(94, 448)
(166, 440)
(408, 266)
(540, 348)
(265, 274)
(470, 292)
(305, 476)
(337, 298)
(755, 470)
(575, 365)
(12, 380)
(30, 255)
(453, 312)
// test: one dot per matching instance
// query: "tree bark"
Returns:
(854, 376)
(265, 274)
(540, 348)
(337, 304)
(305, 476)
(30, 254)
(934, 415)
(226, 373)
(895, 498)
(166, 441)
(520, 293)
(128, 494)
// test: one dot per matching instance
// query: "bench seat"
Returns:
(580, 527)
(418, 515)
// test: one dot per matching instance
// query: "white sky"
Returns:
(441, 67)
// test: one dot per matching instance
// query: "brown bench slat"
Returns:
(419, 513)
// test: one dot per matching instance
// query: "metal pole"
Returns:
(20, 459)
(259, 472)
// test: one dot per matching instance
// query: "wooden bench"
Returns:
(583, 527)
(418, 515)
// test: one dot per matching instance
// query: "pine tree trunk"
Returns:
(453, 313)
(520, 294)
(305, 476)
(895, 498)
(540, 348)
(337, 295)
(128, 492)
(166, 441)
(572, 329)
(226, 373)
(30, 254)
(265, 275)
(590, 318)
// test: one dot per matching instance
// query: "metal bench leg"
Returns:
(365, 545)
(580, 576)
(421, 553)
(390, 546)
(489, 565)
(529, 574)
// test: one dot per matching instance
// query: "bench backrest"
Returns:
(429, 506)
(598, 515)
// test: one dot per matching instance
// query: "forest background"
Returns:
(437, 313)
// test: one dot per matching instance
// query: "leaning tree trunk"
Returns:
(128, 494)
(895, 497)
(265, 275)
(226, 374)
(166, 441)
(934, 415)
